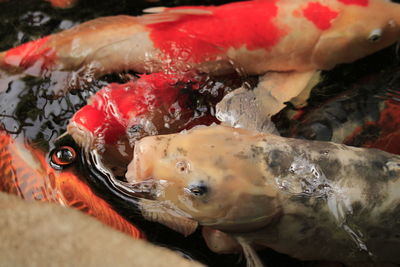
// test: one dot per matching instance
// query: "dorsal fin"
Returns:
(182, 11)
(164, 14)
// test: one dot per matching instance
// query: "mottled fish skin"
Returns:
(24, 171)
(311, 200)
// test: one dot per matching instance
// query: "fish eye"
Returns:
(62, 157)
(375, 35)
(197, 189)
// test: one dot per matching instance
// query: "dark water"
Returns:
(353, 94)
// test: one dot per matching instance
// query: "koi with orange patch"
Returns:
(25, 172)
(286, 42)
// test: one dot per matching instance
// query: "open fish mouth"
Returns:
(129, 192)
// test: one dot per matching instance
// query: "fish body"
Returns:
(387, 127)
(376, 126)
(117, 107)
(25, 172)
(253, 37)
(308, 199)
(260, 36)
(119, 114)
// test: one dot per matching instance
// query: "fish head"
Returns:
(358, 31)
(210, 175)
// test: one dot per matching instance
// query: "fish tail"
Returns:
(78, 195)
(34, 57)
(16, 176)
(252, 259)
(117, 222)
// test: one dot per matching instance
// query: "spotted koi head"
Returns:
(206, 175)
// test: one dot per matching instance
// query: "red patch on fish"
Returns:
(201, 37)
(320, 15)
(388, 127)
(113, 108)
(355, 2)
(34, 53)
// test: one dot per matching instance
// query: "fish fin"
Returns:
(182, 11)
(162, 14)
(154, 10)
(156, 212)
(252, 259)
(241, 109)
(276, 88)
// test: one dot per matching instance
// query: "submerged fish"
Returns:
(386, 128)
(119, 114)
(119, 108)
(25, 172)
(308, 199)
(286, 42)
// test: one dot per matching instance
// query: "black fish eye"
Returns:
(375, 35)
(62, 157)
(198, 189)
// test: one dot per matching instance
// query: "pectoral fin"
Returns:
(251, 255)
(252, 109)
(241, 109)
(277, 88)
(156, 212)
(162, 14)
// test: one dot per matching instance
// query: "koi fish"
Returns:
(311, 200)
(364, 116)
(119, 114)
(388, 133)
(116, 108)
(377, 128)
(25, 172)
(286, 42)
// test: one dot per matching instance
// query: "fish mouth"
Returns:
(129, 191)
(82, 136)
(142, 194)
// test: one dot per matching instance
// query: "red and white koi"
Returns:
(287, 42)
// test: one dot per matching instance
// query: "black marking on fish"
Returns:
(278, 162)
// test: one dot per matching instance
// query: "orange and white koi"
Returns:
(25, 172)
(286, 42)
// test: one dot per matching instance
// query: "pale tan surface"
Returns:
(43, 234)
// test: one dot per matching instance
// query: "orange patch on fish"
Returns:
(389, 130)
(321, 15)
(34, 53)
(24, 171)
